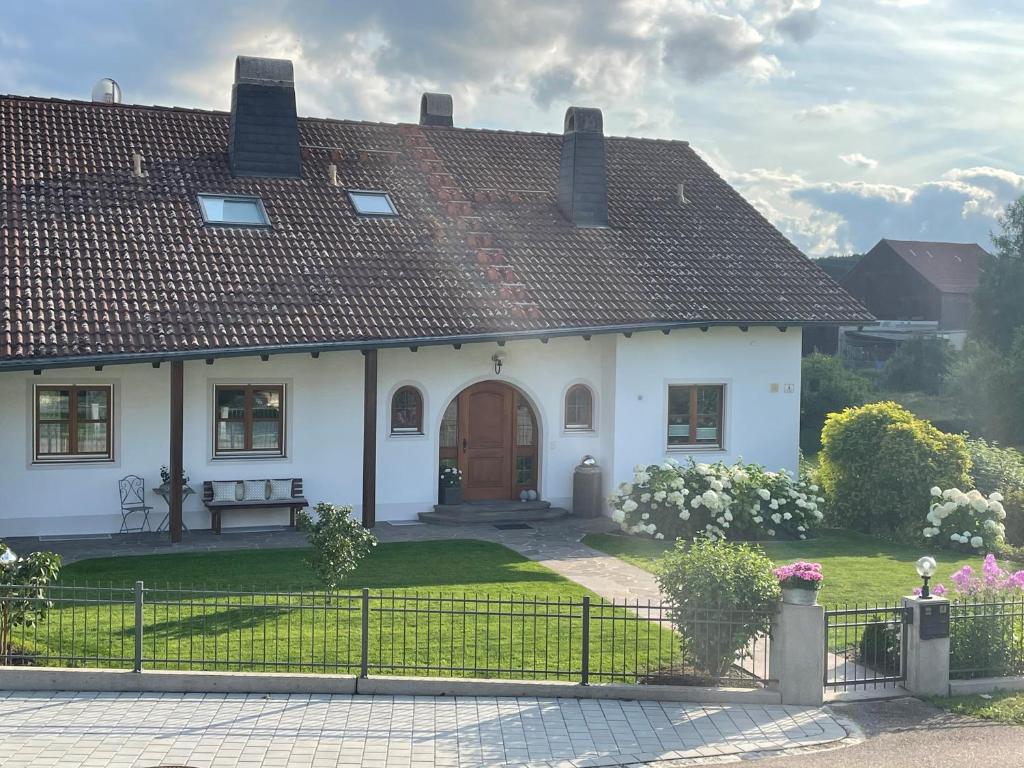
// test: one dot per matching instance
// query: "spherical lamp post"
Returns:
(926, 569)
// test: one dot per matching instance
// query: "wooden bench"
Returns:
(294, 503)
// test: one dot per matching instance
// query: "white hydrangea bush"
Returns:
(968, 520)
(743, 501)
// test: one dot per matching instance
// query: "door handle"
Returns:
(465, 444)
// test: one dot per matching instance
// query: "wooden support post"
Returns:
(177, 435)
(369, 438)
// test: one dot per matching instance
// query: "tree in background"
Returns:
(827, 386)
(920, 364)
(999, 298)
(836, 267)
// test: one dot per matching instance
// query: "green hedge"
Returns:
(878, 463)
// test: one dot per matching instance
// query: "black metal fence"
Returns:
(864, 646)
(368, 632)
(986, 637)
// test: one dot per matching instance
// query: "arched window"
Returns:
(579, 408)
(407, 412)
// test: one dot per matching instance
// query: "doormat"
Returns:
(513, 527)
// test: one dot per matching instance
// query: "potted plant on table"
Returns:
(450, 486)
(165, 478)
(800, 582)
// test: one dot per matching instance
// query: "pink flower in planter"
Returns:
(800, 571)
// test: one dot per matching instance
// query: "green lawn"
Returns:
(276, 618)
(1001, 707)
(857, 568)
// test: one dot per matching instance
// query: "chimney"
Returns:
(436, 109)
(583, 173)
(264, 136)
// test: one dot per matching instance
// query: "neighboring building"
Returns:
(914, 288)
(358, 303)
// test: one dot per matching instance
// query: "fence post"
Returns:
(585, 653)
(139, 590)
(364, 659)
(795, 659)
(926, 647)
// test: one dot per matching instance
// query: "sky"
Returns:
(843, 121)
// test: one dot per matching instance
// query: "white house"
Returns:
(252, 296)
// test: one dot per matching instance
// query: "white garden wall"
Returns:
(324, 421)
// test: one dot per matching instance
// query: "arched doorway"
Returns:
(489, 431)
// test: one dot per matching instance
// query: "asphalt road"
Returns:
(904, 733)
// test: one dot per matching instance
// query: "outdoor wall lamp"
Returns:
(498, 358)
(926, 569)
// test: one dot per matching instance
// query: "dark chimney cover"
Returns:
(583, 174)
(264, 133)
(436, 109)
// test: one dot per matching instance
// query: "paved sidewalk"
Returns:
(41, 730)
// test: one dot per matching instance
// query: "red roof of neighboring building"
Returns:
(950, 267)
(98, 262)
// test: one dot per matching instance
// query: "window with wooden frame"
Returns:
(579, 409)
(449, 441)
(248, 420)
(695, 415)
(524, 476)
(73, 423)
(407, 411)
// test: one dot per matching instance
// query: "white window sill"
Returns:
(63, 460)
(695, 449)
(248, 456)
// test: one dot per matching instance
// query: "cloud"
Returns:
(857, 160)
(840, 217)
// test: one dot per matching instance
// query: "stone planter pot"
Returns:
(796, 596)
(450, 495)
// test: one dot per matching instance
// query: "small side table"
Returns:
(164, 492)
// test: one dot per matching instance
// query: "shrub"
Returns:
(920, 364)
(985, 636)
(971, 520)
(827, 386)
(877, 463)
(879, 646)
(720, 596)
(338, 542)
(23, 582)
(673, 500)
(988, 386)
(1001, 469)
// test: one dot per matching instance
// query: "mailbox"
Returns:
(934, 621)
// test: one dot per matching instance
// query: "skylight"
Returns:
(232, 209)
(372, 203)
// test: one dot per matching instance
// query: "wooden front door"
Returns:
(486, 425)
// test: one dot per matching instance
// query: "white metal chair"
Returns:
(133, 501)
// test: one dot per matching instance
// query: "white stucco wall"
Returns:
(629, 378)
(761, 425)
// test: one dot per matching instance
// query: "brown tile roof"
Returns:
(950, 267)
(97, 261)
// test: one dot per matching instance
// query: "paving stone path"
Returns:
(45, 730)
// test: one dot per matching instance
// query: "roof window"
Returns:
(234, 210)
(372, 203)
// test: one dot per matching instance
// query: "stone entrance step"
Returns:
(493, 512)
